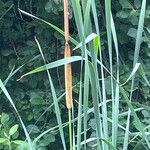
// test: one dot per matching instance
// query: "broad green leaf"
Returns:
(4, 118)
(134, 20)
(18, 142)
(36, 100)
(33, 128)
(132, 33)
(125, 4)
(47, 139)
(50, 137)
(123, 14)
(3, 140)
(44, 142)
(13, 129)
(137, 3)
(48, 6)
(7, 52)
(23, 146)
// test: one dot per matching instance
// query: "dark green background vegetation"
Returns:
(31, 95)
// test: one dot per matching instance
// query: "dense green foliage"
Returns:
(32, 96)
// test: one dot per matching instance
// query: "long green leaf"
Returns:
(136, 56)
(55, 64)
(49, 24)
(57, 109)
(31, 146)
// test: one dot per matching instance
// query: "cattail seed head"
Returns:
(68, 79)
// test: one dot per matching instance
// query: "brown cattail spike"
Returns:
(67, 53)
(68, 79)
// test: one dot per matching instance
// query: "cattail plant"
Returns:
(67, 53)
(96, 77)
(68, 71)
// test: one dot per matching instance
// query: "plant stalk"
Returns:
(68, 71)
(70, 129)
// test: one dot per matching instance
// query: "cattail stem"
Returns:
(68, 71)
(70, 128)
(66, 20)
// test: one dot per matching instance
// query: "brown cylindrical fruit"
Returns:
(68, 78)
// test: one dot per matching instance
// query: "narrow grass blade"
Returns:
(136, 56)
(115, 107)
(87, 22)
(31, 146)
(4, 13)
(14, 71)
(109, 39)
(49, 24)
(142, 72)
(57, 109)
(137, 120)
(137, 65)
(89, 38)
(95, 100)
(55, 64)
(80, 28)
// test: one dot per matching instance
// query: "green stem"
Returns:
(70, 129)
(9, 145)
